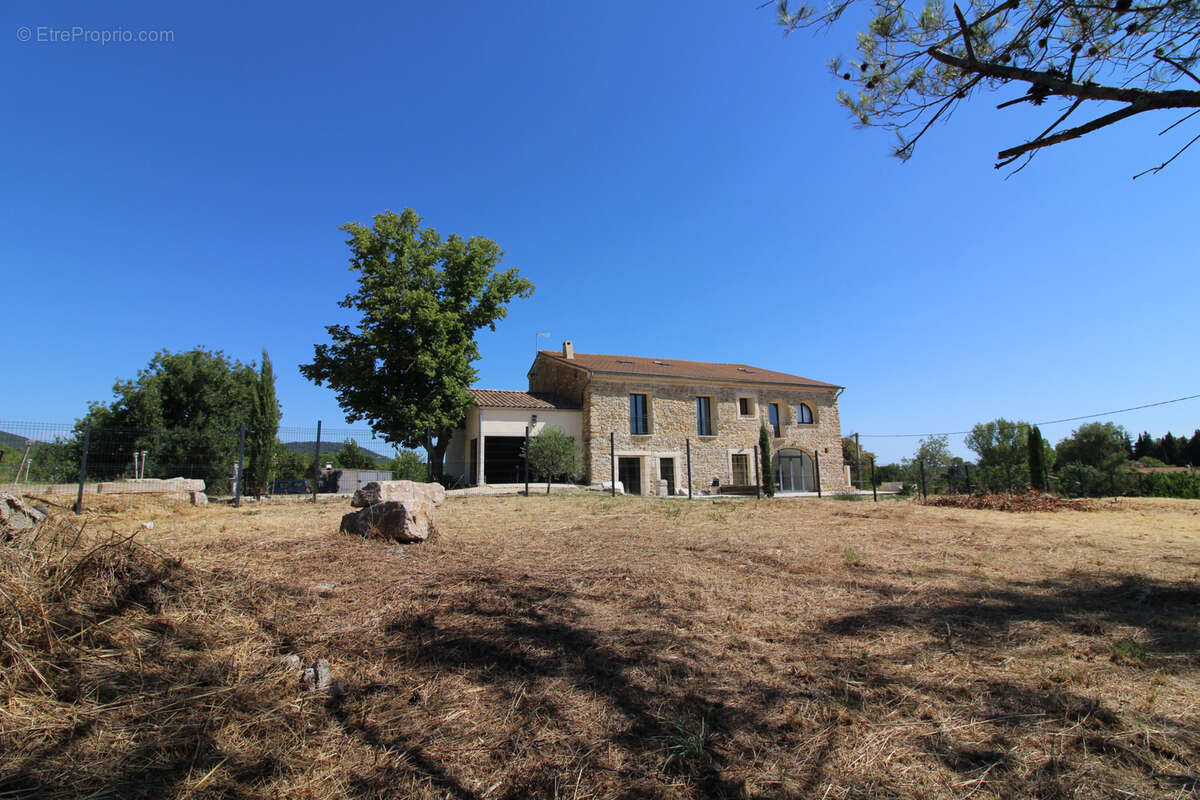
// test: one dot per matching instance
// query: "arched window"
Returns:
(804, 414)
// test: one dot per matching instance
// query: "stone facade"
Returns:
(672, 418)
(553, 377)
(601, 385)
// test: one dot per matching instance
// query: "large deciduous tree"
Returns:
(917, 61)
(1100, 445)
(1003, 449)
(406, 365)
(1092, 450)
(183, 410)
(934, 453)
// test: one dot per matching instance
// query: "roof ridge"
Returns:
(676, 367)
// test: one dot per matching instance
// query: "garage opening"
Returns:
(502, 461)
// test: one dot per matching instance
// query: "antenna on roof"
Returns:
(540, 335)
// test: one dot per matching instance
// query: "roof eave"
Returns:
(708, 378)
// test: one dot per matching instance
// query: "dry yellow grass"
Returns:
(596, 647)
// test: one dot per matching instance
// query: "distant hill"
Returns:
(10, 441)
(329, 448)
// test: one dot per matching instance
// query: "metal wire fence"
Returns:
(59, 457)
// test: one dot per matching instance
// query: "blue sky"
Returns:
(676, 178)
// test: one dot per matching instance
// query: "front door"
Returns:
(666, 471)
(629, 473)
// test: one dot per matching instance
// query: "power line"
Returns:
(1047, 422)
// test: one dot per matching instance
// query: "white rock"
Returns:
(318, 677)
(15, 515)
(398, 491)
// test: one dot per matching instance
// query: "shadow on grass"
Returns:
(1168, 612)
(660, 710)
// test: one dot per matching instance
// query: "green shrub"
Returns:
(768, 474)
(1169, 484)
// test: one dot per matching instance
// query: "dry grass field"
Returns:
(582, 646)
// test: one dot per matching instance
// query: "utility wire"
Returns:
(1047, 422)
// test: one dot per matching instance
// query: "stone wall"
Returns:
(548, 375)
(672, 421)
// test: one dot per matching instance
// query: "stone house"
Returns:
(639, 414)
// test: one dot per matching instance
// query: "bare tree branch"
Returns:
(1163, 165)
(962, 26)
(1178, 66)
(1073, 133)
(1042, 135)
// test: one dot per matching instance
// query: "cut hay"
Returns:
(603, 648)
(1023, 503)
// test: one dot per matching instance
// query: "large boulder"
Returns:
(398, 491)
(409, 521)
(15, 515)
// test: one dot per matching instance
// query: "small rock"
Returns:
(292, 661)
(317, 677)
(16, 516)
(324, 587)
(148, 526)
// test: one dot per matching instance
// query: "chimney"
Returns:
(568, 349)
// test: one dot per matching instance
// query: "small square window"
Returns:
(746, 406)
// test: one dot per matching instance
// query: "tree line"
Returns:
(1096, 459)
(181, 416)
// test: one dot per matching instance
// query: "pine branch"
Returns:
(1144, 99)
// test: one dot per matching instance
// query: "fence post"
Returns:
(237, 490)
(817, 470)
(924, 494)
(689, 459)
(87, 441)
(874, 490)
(527, 461)
(612, 461)
(317, 464)
(857, 461)
(757, 479)
(21, 463)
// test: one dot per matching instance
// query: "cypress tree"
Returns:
(263, 428)
(764, 453)
(1037, 464)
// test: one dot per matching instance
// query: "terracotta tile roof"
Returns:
(676, 368)
(499, 398)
